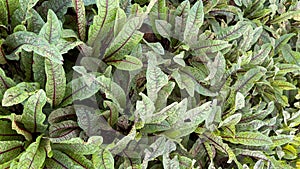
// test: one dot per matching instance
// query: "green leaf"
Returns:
(61, 114)
(159, 147)
(231, 120)
(61, 160)
(285, 16)
(287, 68)
(5, 82)
(290, 56)
(57, 6)
(14, 96)
(127, 63)
(82, 147)
(29, 41)
(63, 131)
(209, 151)
(52, 29)
(239, 101)
(119, 20)
(282, 85)
(180, 109)
(33, 157)
(122, 143)
(26, 59)
(7, 133)
(126, 39)
(163, 95)
(18, 93)
(113, 113)
(186, 162)
(281, 139)
(156, 127)
(220, 145)
(194, 21)
(232, 32)
(80, 160)
(156, 78)
(48, 51)
(35, 22)
(9, 150)
(15, 125)
(282, 41)
(216, 69)
(247, 81)
(294, 120)
(247, 39)
(56, 82)
(259, 114)
(26, 5)
(156, 47)
(89, 121)
(251, 153)
(189, 122)
(179, 59)
(290, 152)
(279, 163)
(33, 117)
(170, 163)
(3, 13)
(249, 138)
(80, 17)
(2, 54)
(38, 69)
(163, 28)
(159, 9)
(210, 45)
(78, 89)
(145, 108)
(64, 46)
(183, 9)
(103, 21)
(197, 115)
(113, 92)
(103, 159)
(261, 55)
(162, 115)
(184, 81)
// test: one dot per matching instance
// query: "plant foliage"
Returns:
(149, 84)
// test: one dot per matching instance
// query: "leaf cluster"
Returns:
(149, 84)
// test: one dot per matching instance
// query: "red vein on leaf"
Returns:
(59, 162)
(79, 24)
(34, 114)
(14, 148)
(8, 12)
(4, 135)
(126, 61)
(232, 32)
(65, 116)
(78, 162)
(54, 85)
(64, 128)
(3, 82)
(76, 91)
(31, 161)
(246, 138)
(104, 19)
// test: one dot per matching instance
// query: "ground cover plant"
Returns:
(100, 84)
